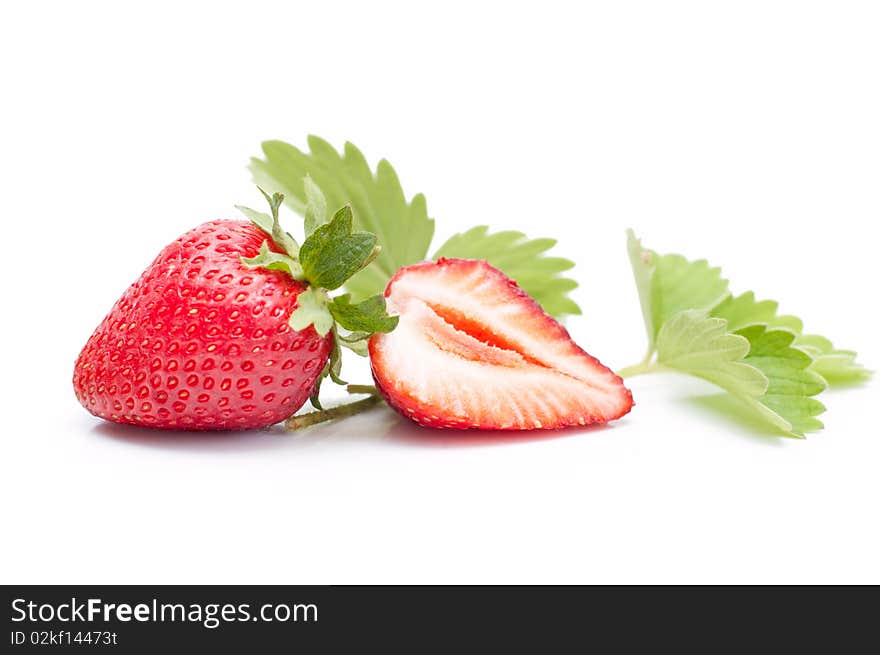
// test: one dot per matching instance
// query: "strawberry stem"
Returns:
(340, 411)
(362, 388)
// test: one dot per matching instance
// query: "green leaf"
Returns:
(643, 263)
(740, 311)
(678, 284)
(669, 284)
(734, 341)
(757, 364)
(836, 366)
(333, 253)
(316, 206)
(403, 229)
(787, 403)
(692, 342)
(366, 317)
(312, 310)
(522, 260)
(274, 261)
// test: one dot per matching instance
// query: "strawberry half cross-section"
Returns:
(472, 350)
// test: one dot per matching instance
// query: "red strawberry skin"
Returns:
(201, 342)
(473, 350)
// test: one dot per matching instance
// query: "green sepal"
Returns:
(355, 342)
(315, 398)
(353, 337)
(274, 261)
(333, 253)
(335, 363)
(271, 224)
(332, 369)
(368, 316)
(261, 219)
(312, 310)
(357, 346)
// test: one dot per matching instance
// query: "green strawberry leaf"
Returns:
(333, 253)
(787, 403)
(316, 206)
(522, 260)
(403, 229)
(705, 338)
(366, 317)
(758, 365)
(836, 366)
(643, 263)
(668, 284)
(740, 311)
(692, 342)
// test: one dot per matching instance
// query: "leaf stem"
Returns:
(340, 411)
(639, 369)
(644, 366)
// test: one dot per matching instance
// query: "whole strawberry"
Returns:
(231, 327)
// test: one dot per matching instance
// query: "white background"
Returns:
(747, 133)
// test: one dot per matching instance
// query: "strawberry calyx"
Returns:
(331, 253)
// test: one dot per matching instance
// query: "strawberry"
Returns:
(230, 327)
(472, 350)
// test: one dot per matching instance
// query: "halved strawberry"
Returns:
(473, 350)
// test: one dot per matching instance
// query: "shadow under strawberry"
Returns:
(217, 441)
(403, 431)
